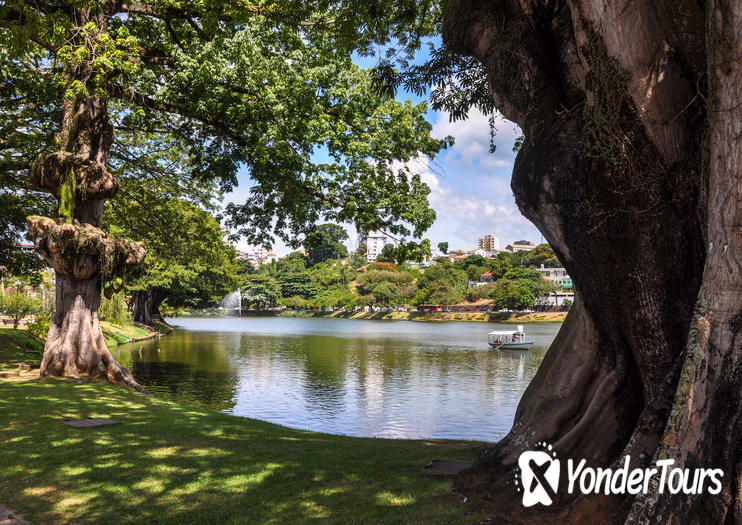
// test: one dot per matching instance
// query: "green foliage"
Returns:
(457, 279)
(39, 327)
(475, 272)
(114, 309)
(18, 305)
(324, 242)
(297, 284)
(188, 261)
(386, 293)
(441, 292)
(198, 91)
(541, 254)
(373, 277)
(472, 260)
(443, 247)
(261, 291)
(499, 265)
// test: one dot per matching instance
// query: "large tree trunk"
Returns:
(75, 345)
(82, 256)
(147, 305)
(630, 168)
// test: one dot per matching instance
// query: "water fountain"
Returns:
(232, 303)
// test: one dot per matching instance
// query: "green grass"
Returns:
(116, 334)
(18, 346)
(171, 463)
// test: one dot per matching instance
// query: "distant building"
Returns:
(489, 243)
(520, 246)
(556, 299)
(556, 275)
(375, 242)
(256, 255)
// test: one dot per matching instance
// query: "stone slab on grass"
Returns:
(445, 467)
(92, 422)
(8, 518)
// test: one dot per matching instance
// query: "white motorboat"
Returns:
(509, 339)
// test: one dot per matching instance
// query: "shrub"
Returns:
(39, 327)
(114, 309)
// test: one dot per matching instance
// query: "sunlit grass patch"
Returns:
(395, 500)
(170, 463)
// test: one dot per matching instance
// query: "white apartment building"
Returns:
(375, 242)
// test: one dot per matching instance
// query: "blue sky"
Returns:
(470, 187)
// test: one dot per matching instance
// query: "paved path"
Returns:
(8, 518)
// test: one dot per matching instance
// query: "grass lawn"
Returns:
(18, 346)
(171, 463)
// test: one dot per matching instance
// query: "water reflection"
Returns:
(364, 378)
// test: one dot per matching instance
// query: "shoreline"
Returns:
(131, 332)
(477, 317)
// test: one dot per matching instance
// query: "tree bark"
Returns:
(82, 256)
(75, 345)
(630, 168)
(147, 305)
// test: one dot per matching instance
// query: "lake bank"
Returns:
(173, 463)
(493, 317)
(21, 346)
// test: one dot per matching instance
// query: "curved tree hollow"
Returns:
(75, 345)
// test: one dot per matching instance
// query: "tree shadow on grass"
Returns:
(170, 463)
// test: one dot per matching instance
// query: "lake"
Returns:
(398, 379)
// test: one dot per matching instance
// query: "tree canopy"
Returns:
(325, 242)
(234, 87)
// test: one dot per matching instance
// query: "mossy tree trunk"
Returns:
(631, 169)
(82, 256)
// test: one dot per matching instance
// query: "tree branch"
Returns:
(133, 97)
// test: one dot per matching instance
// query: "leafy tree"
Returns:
(386, 293)
(324, 242)
(442, 292)
(188, 262)
(475, 272)
(499, 266)
(232, 86)
(388, 254)
(531, 274)
(18, 305)
(543, 254)
(443, 247)
(513, 294)
(260, 290)
(301, 284)
(444, 271)
(472, 260)
(294, 262)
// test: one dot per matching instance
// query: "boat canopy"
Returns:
(519, 330)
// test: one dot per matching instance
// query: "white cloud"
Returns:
(470, 187)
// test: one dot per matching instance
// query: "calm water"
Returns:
(363, 378)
